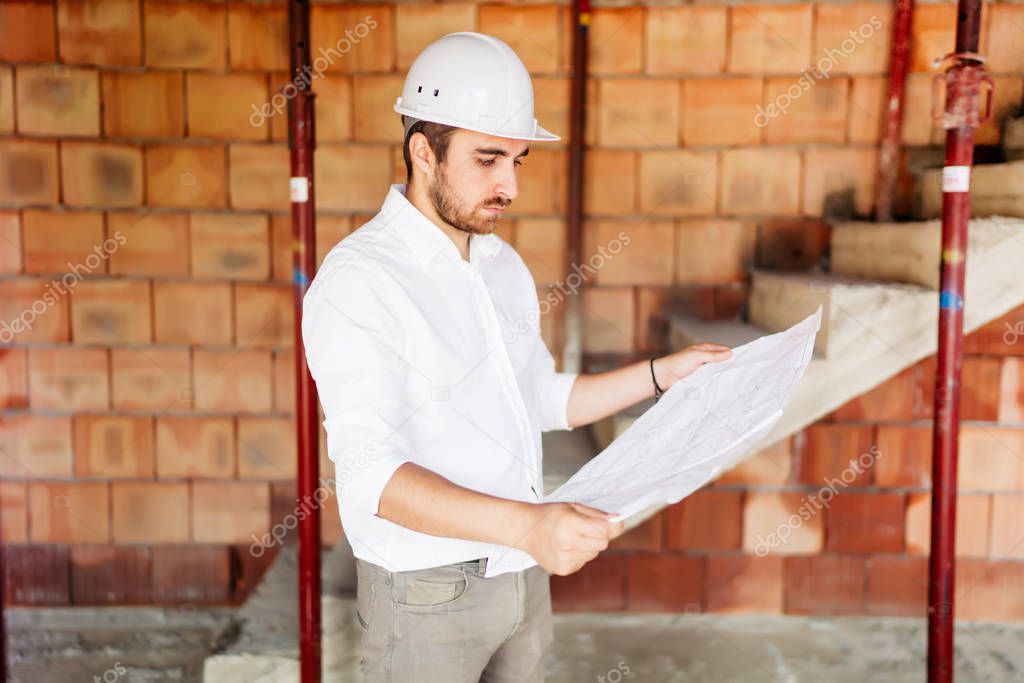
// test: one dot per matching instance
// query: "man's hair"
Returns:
(438, 136)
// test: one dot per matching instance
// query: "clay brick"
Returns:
(374, 96)
(220, 106)
(230, 246)
(28, 172)
(192, 313)
(1007, 535)
(237, 381)
(258, 37)
(191, 176)
(191, 575)
(714, 251)
(989, 590)
(259, 177)
(933, 29)
(150, 512)
(770, 39)
(686, 40)
(897, 586)
(678, 182)
(824, 585)
(111, 312)
(706, 520)
(721, 111)
(27, 32)
(247, 571)
(143, 105)
(69, 513)
(107, 32)
(919, 127)
(773, 523)
(651, 319)
(865, 522)
(113, 447)
(980, 391)
(541, 242)
(990, 459)
(284, 382)
(638, 112)
(63, 242)
(266, 448)
(32, 311)
(598, 586)
(155, 243)
(1003, 46)
(906, 456)
(230, 511)
(416, 26)
(771, 466)
(353, 38)
(665, 583)
(101, 174)
(648, 535)
(814, 114)
(150, 379)
(36, 575)
(14, 511)
(185, 35)
(264, 315)
(608, 319)
(531, 31)
(830, 452)
(13, 378)
(609, 182)
(541, 183)
(840, 181)
(794, 244)
(189, 447)
(744, 584)
(867, 109)
(852, 39)
(629, 252)
(761, 181)
(357, 176)
(616, 40)
(1001, 337)
(33, 447)
(6, 99)
(329, 231)
(891, 400)
(106, 575)
(57, 100)
(333, 112)
(68, 379)
(973, 521)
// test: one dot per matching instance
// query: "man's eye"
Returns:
(486, 162)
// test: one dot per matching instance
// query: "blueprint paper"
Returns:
(703, 425)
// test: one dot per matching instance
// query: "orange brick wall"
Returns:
(146, 425)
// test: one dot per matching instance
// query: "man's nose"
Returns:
(508, 184)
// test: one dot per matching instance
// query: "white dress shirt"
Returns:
(420, 356)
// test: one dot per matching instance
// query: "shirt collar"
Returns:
(425, 239)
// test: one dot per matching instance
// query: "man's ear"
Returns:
(420, 154)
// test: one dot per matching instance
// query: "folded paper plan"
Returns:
(703, 425)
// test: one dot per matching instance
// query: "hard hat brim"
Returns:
(541, 134)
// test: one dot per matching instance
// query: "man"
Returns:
(422, 332)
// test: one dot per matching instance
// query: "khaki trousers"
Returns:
(449, 624)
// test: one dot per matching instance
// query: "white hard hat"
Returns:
(473, 81)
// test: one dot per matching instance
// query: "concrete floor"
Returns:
(58, 645)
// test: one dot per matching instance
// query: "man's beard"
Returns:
(453, 212)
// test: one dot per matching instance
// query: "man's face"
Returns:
(477, 180)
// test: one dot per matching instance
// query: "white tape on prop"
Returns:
(956, 178)
(298, 189)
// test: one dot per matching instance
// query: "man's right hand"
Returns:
(565, 536)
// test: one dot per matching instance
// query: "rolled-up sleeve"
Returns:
(552, 388)
(353, 349)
